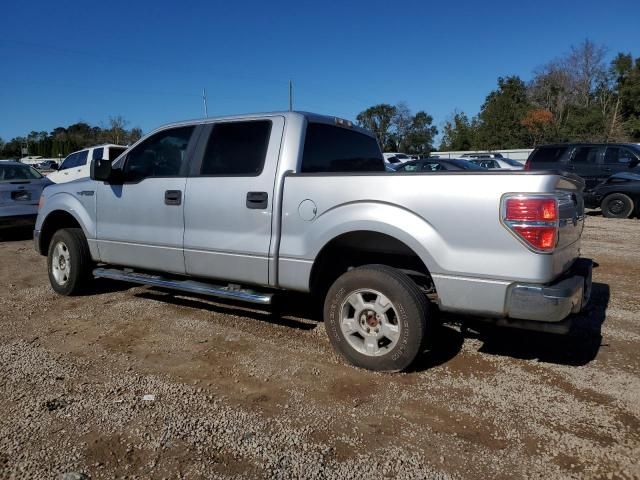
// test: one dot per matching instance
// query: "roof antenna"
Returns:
(204, 99)
(290, 96)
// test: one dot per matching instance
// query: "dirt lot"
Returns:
(249, 393)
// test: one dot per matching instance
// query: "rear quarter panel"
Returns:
(451, 221)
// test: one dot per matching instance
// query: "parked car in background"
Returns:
(47, 165)
(435, 165)
(400, 157)
(78, 164)
(594, 162)
(498, 163)
(618, 196)
(20, 189)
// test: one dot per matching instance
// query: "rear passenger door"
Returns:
(229, 200)
(585, 162)
(617, 159)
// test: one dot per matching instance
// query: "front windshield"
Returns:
(13, 172)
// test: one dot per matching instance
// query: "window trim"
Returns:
(207, 130)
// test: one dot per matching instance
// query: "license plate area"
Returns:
(21, 195)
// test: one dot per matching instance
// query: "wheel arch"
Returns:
(362, 247)
(54, 221)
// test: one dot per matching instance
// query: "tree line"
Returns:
(63, 140)
(578, 97)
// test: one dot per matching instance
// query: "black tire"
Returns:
(409, 306)
(617, 205)
(71, 274)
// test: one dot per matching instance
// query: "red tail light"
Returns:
(533, 219)
(531, 209)
(527, 164)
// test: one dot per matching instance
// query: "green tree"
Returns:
(459, 133)
(379, 119)
(421, 134)
(627, 74)
(501, 115)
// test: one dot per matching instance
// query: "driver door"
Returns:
(140, 222)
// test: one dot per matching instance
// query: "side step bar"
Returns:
(231, 291)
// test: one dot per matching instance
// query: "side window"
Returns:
(161, 155)
(237, 148)
(431, 167)
(618, 155)
(328, 148)
(114, 152)
(411, 167)
(69, 162)
(82, 158)
(548, 154)
(586, 155)
(97, 154)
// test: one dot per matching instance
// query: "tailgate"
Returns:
(571, 211)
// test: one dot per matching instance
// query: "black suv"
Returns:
(594, 162)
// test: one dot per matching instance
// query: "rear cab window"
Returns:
(329, 148)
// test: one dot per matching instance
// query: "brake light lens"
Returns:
(531, 209)
(533, 220)
(541, 238)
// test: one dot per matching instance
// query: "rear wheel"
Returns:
(377, 318)
(617, 205)
(69, 261)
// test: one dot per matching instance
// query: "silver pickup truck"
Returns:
(247, 206)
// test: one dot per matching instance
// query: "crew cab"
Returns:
(245, 207)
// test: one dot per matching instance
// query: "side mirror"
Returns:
(101, 170)
(54, 166)
(634, 163)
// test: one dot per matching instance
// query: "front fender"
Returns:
(66, 202)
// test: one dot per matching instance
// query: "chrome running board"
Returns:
(233, 292)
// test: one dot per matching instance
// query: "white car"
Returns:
(395, 159)
(78, 164)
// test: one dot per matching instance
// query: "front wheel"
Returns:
(617, 205)
(69, 261)
(377, 318)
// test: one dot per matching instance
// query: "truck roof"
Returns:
(290, 116)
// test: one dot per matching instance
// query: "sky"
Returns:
(68, 61)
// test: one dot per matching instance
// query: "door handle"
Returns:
(257, 200)
(173, 197)
(606, 169)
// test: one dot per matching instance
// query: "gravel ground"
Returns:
(140, 383)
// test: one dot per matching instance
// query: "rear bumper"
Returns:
(555, 301)
(13, 221)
